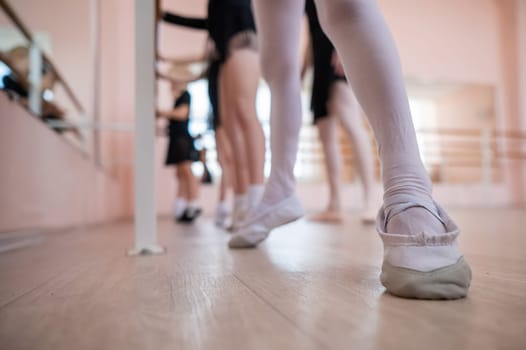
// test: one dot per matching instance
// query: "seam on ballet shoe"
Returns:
(422, 239)
(457, 265)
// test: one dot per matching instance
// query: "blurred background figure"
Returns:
(181, 153)
(333, 104)
(231, 26)
(222, 144)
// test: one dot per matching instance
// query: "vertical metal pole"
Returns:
(35, 79)
(145, 211)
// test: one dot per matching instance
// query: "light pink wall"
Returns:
(467, 107)
(116, 91)
(47, 182)
(101, 195)
(446, 40)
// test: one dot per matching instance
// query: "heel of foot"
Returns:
(241, 242)
(449, 282)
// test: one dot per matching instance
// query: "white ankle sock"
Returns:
(222, 214)
(240, 202)
(222, 207)
(255, 194)
(179, 206)
(240, 208)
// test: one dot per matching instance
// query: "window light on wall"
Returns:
(425, 117)
(200, 110)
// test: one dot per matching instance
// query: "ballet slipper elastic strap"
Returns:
(422, 239)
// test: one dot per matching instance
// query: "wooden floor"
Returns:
(309, 286)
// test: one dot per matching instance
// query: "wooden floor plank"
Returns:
(310, 286)
(338, 291)
(145, 303)
(29, 268)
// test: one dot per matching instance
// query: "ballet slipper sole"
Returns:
(449, 282)
(240, 242)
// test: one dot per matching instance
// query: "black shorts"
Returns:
(324, 77)
(181, 149)
(324, 73)
(321, 91)
(231, 26)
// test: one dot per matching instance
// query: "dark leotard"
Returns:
(181, 144)
(230, 24)
(324, 73)
(226, 20)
